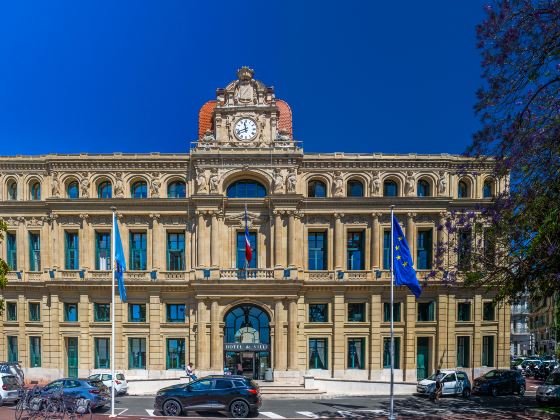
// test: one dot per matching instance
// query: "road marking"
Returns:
(124, 410)
(150, 412)
(308, 414)
(271, 415)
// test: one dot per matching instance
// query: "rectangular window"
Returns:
(241, 250)
(463, 352)
(35, 351)
(387, 312)
(463, 250)
(426, 311)
(318, 353)
(138, 250)
(355, 251)
(11, 311)
(72, 251)
(101, 312)
(71, 312)
(175, 251)
(175, 313)
(488, 311)
(34, 311)
(488, 350)
(175, 358)
(386, 249)
(136, 312)
(387, 352)
(102, 251)
(318, 312)
(11, 247)
(424, 250)
(356, 312)
(102, 353)
(137, 353)
(317, 250)
(12, 348)
(356, 353)
(34, 252)
(463, 311)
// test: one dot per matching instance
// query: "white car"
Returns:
(455, 382)
(9, 388)
(121, 386)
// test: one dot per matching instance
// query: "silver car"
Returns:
(455, 382)
(549, 392)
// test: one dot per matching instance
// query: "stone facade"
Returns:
(354, 212)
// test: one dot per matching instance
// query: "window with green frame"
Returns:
(137, 250)
(12, 348)
(102, 355)
(356, 353)
(137, 353)
(463, 311)
(35, 351)
(11, 248)
(488, 350)
(11, 311)
(426, 311)
(318, 353)
(424, 249)
(71, 312)
(34, 311)
(101, 312)
(355, 251)
(386, 249)
(463, 351)
(175, 355)
(175, 251)
(34, 252)
(318, 312)
(136, 312)
(175, 312)
(387, 352)
(356, 312)
(488, 311)
(387, 312)
(102, 250)
(72, 261)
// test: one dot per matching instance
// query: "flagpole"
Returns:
(113, 314)
(392, 345)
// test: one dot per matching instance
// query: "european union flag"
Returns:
(120, 260)
(404, 272)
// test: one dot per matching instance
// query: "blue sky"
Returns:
(130, 76)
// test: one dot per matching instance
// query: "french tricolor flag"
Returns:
(248, 250)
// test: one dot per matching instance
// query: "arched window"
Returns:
(35, 192)
(176, 189)
(73, 190)
(390, 189)
(247, 324)
(246, 188)
(423, 188)
(12, 191)
(316, 189)
(139, 189)
(354, 188)
(105, 190)
(487, 190)
(462, 190)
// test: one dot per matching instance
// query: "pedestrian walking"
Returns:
(438, 387)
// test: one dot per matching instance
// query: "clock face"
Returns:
(245, 129)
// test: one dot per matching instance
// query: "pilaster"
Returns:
(292, 335)
(376, 344)
(278, 260)
(85, 345)
(339, 344)
(202, 347)
(408, 350)
(279, 344)
(155, 350)
(410, 235)
(375, 240)
(339, 241)
(216, 346)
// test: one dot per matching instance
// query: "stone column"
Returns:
(279, 346)
(375, 240)
(201, 345)
(410, 235)
(291, 239)
(292, 335)
(84, 241)
(21, 249)
(216, 347)
(376, 344)
(440, 234)
(84, 344)
(202, 251)
(407, 342)
(215, 240)
(278, 262)
(157, 244)
(338, 344)
(338, 241)
(155, 349)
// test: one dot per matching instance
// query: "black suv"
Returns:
(500, 381)
(236, 394)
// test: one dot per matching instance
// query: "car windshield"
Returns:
(553, 379)
(434, 376)
(94, 377)
(493, 374)
(120, 376)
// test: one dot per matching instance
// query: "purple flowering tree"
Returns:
(512, 245)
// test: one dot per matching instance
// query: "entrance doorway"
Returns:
(72, 357)
(253, 363)
(422, 358)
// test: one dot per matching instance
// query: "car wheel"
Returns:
(521, 390)
(466, 393)
(171, 408)
(494, 391)
(239, 409)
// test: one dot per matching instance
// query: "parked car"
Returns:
(9, 387)
(500, 381)
(549, 392)
(121, 385)
(238, 395)
(455, 382)
(545, 369)
(13, 368)
(94, 391)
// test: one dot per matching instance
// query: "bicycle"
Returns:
(31, 402)
(59, 406)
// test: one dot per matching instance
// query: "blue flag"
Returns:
(404, 272)
(120, 261)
